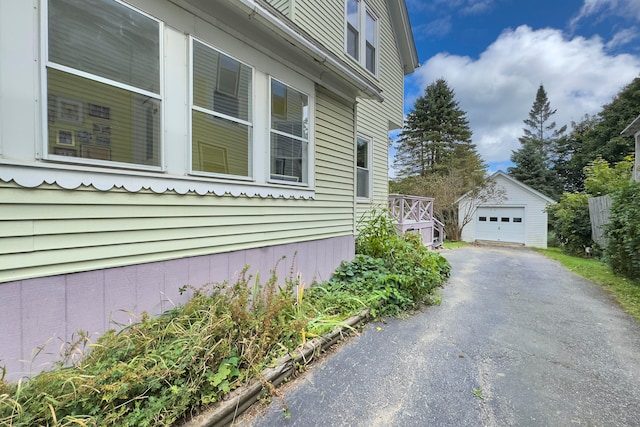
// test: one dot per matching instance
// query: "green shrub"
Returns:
(623, 230)
(569, 220)
(413, 270)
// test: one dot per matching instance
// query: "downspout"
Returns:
(355, 167)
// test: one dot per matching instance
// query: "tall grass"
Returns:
(161, 369)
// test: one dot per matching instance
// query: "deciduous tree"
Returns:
(599, 136)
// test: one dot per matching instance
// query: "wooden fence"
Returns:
(599, 214)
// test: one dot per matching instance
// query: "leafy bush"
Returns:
(413, 270)
(623, 230)
(602, 179)
(569, 219)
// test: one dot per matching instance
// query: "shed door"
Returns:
(504, 224)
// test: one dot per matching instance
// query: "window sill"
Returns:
(32, 175)
(362, 68)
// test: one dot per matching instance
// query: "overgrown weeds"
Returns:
(158, 370)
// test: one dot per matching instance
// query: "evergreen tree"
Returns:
(539, 131)
(437, 138)
(536, 159)
(531, 169)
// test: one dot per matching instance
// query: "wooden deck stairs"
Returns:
(415, 214)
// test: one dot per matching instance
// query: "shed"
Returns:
(520, 217)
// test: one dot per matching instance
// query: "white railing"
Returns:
(414, 213)
(408, 209)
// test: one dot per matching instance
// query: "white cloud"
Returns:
(467, 7)
(590, 8)
(475, 7)
(439, 28)
(498, 89)
(622, 38)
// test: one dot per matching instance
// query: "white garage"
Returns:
(519, 217)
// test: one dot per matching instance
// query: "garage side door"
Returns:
(504, 224)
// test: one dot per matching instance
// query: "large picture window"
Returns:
(362, 48)
(221, 124)
(289, 133)
(103, 83)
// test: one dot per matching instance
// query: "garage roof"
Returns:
(516, 182)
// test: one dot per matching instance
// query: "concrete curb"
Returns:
(224, 412)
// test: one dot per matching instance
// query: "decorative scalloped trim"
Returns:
(33, 176)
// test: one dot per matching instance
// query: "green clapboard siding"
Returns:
(324, 20)
(49, 230)
(283, 6)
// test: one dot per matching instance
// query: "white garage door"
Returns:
(505, 224)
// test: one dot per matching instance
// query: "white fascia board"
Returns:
(288, 38)
(633, 129)
(404, 35)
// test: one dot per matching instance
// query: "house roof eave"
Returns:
(633, 128)
(283, 40)
(404, 35)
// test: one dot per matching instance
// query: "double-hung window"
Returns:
(103, 84)
(363, 166)
(362, 34)
(289, 134)
(222, 124)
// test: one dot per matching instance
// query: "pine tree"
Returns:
(531, 169)
(539, 131)
(437, 138)
(539, 153)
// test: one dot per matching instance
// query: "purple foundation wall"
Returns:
(37, 316)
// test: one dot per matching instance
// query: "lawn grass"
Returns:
(626, 292)
(454, 245)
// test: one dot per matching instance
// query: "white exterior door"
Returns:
(501, 224)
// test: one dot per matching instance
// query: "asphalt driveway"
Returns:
(517, 341)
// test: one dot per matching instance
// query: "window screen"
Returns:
(103, 82)
(221, 113)
(289, 133)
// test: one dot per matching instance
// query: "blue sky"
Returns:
(495, 53)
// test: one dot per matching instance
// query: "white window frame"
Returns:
(250, 123)
(29, 165)
(363, 9)
(46, 64)
(369, 168)
(307, 159)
